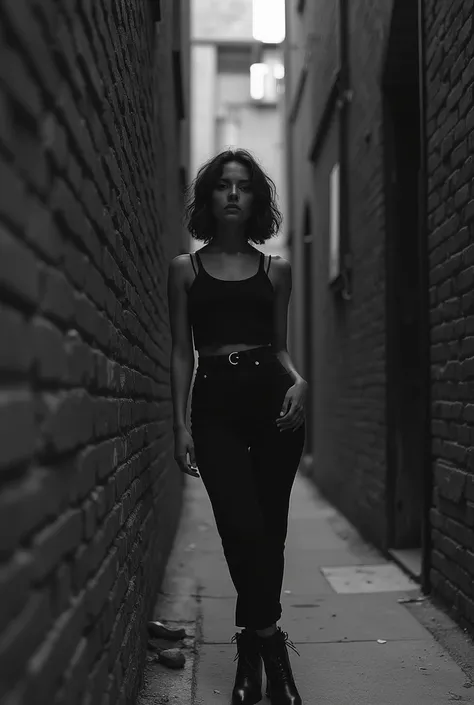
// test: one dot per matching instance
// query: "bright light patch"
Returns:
(269, 21)
(258, 73)
(279, 71)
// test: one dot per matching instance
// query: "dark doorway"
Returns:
(308, 324)
(404, 302)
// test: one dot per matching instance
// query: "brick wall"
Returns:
(450, 97)
(358, 431)
(89, 218)
(349, 337)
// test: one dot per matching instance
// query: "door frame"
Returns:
(400, 20)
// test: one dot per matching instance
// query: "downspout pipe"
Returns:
(424, 314)
(287, 125)
(288, 166)
(343, 105)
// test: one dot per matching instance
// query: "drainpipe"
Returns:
(288, 130)
(345, 96)
(424, 317)
(295, 343)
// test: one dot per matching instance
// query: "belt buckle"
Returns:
(235, 352)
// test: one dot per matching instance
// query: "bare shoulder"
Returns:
(282, 264)
(280, 271)
(180, 265)
(180, 271)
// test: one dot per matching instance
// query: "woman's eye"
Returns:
(223, 187)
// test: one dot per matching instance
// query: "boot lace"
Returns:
(234, 640)
(290, 643)
(241, 652)
(279, 663)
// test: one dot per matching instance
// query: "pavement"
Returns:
(365, 633)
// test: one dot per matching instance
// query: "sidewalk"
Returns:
(358, 644)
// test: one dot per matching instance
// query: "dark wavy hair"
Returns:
(265, 219)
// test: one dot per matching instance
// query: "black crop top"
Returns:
(223, 312)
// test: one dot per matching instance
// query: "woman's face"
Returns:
(232, 197)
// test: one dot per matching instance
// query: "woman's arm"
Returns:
(282, 287)
(292, 410)
(182, 352)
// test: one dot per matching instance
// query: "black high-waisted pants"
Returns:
(248, 467)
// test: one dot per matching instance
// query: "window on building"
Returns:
(234, 58)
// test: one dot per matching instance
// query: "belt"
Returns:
(256, 355)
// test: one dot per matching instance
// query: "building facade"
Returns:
(229, 108)
(380, 136)
(93, 155)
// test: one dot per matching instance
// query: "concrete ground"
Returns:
(363, 634)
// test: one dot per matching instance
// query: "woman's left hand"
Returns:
(292, 413)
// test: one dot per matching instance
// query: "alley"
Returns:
(357, 118)
(360, 642)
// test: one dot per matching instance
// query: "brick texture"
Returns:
(355, 356)
(450, 99)
(352, 463)
(348, 339)
(90, 203)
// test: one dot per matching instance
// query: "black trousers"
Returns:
(248, 467)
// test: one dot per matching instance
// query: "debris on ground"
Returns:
(158, 644)
(407, 600)
(158, 630)
(172, 658)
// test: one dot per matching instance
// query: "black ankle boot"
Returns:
(248, 679)
(281, 687)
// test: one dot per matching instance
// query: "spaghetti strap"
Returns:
(198, 259)
(194, 266)
(261, 262)
(269, 262)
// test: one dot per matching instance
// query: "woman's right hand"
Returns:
(183, 444)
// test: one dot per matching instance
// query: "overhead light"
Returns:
(269, 21)
(258, 73)
(279, 71)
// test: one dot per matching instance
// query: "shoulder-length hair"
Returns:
(265, 220)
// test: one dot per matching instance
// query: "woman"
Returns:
(247, 405)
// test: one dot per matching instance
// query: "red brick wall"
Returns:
(89, 218)
(450, 97)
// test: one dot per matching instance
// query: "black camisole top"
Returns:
(224, 312)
